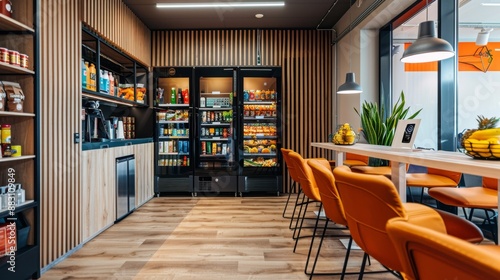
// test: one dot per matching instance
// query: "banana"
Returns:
(485, 134)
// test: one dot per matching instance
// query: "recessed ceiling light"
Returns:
(259, 15)
(490, 4)
(220, 5)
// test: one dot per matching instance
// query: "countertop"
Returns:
(114, 143)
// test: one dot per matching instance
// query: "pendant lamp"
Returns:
(427, 47)
(350, 86)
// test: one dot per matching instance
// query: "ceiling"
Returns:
(296, 14)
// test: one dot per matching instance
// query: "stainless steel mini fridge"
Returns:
(125, 186)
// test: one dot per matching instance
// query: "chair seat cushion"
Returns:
(472, 197)
(428, 180)
(373, 170)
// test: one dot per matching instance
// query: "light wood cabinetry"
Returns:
(99, 184)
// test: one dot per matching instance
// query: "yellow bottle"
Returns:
(92, 75)
(87, 75)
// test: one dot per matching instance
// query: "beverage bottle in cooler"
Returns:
(172, 96)
(111, 83)
(179, 96)
(92, 75)
(101, 80)
(185, 96)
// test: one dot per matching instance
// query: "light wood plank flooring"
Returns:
(204, 238)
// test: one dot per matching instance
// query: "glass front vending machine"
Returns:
(260, 126)
(174, 130)
(216, 161)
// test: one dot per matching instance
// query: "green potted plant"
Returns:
(379, 131)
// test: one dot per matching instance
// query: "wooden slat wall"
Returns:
(60, 91)
(60, 41)
(113, 20)
(306, 57)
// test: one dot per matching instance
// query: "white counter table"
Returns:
(453, 161)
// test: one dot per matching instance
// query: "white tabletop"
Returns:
(453, 161)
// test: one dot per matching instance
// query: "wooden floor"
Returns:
(204, 238)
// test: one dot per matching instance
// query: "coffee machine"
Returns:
(96, 129)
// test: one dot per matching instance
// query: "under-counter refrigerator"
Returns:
(174, 130)
(259, 91)
(216, 159)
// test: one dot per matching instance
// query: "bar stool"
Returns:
(434, 178)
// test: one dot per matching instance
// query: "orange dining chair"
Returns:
(309, 188)
(334, 211)
(293, 175)
(433, 178)
(425, 253)
(352, 160)
(371, 200)
(481, 197)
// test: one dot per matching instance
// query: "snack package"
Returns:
(15, 96)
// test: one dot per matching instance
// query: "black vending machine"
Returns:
(216, 135)
(175, 128)
(260, 95)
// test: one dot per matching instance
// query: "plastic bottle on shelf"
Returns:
(105, 78)
(101, 80)
(20, 194)
(84, 73)
(111, 83)
(92, 72)
(172, 96)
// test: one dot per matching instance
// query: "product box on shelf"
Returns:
(8, 238)
(15, 96)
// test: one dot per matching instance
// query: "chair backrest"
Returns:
(289, 164)
(330, 197)
(490, 183)
(369, 202)
(305, 176)
(429, 254)
(455, 176)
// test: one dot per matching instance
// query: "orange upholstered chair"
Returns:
(434, 178)
(428, 254)
(371, 200)
(332, 205)
(295, 179)
(308, 186)
(482, 197)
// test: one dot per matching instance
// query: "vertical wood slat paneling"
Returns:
(59, 100)
(306, 57)
(133, 37)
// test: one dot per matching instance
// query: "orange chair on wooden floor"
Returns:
(483, 197)
(429, 254)
(353, 160)
(334, 211)
(293, 175)
(309, 188)
(434, 178)
(371, 200)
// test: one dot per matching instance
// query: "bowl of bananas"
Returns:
(484, 142)
(344, 135)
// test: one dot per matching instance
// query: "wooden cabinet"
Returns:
(17, 33)
(99, 184)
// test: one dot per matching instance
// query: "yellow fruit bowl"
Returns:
(482, 149)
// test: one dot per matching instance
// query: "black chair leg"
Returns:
(344, 268)
(312, 242)
(363, 264)
(288, 201)
(301, 224)
(295, 208)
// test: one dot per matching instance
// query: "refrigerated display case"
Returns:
(216, 165)
(174, 127)
(260, 124)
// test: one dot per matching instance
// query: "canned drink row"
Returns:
(214, 132)
(174, 161)
(173, 146)
(214, 148)
(216, 116)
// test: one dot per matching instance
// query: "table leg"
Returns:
(398, 176)
(339, 158)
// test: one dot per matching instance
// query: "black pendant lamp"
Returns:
(350, 86)
(427, 47)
